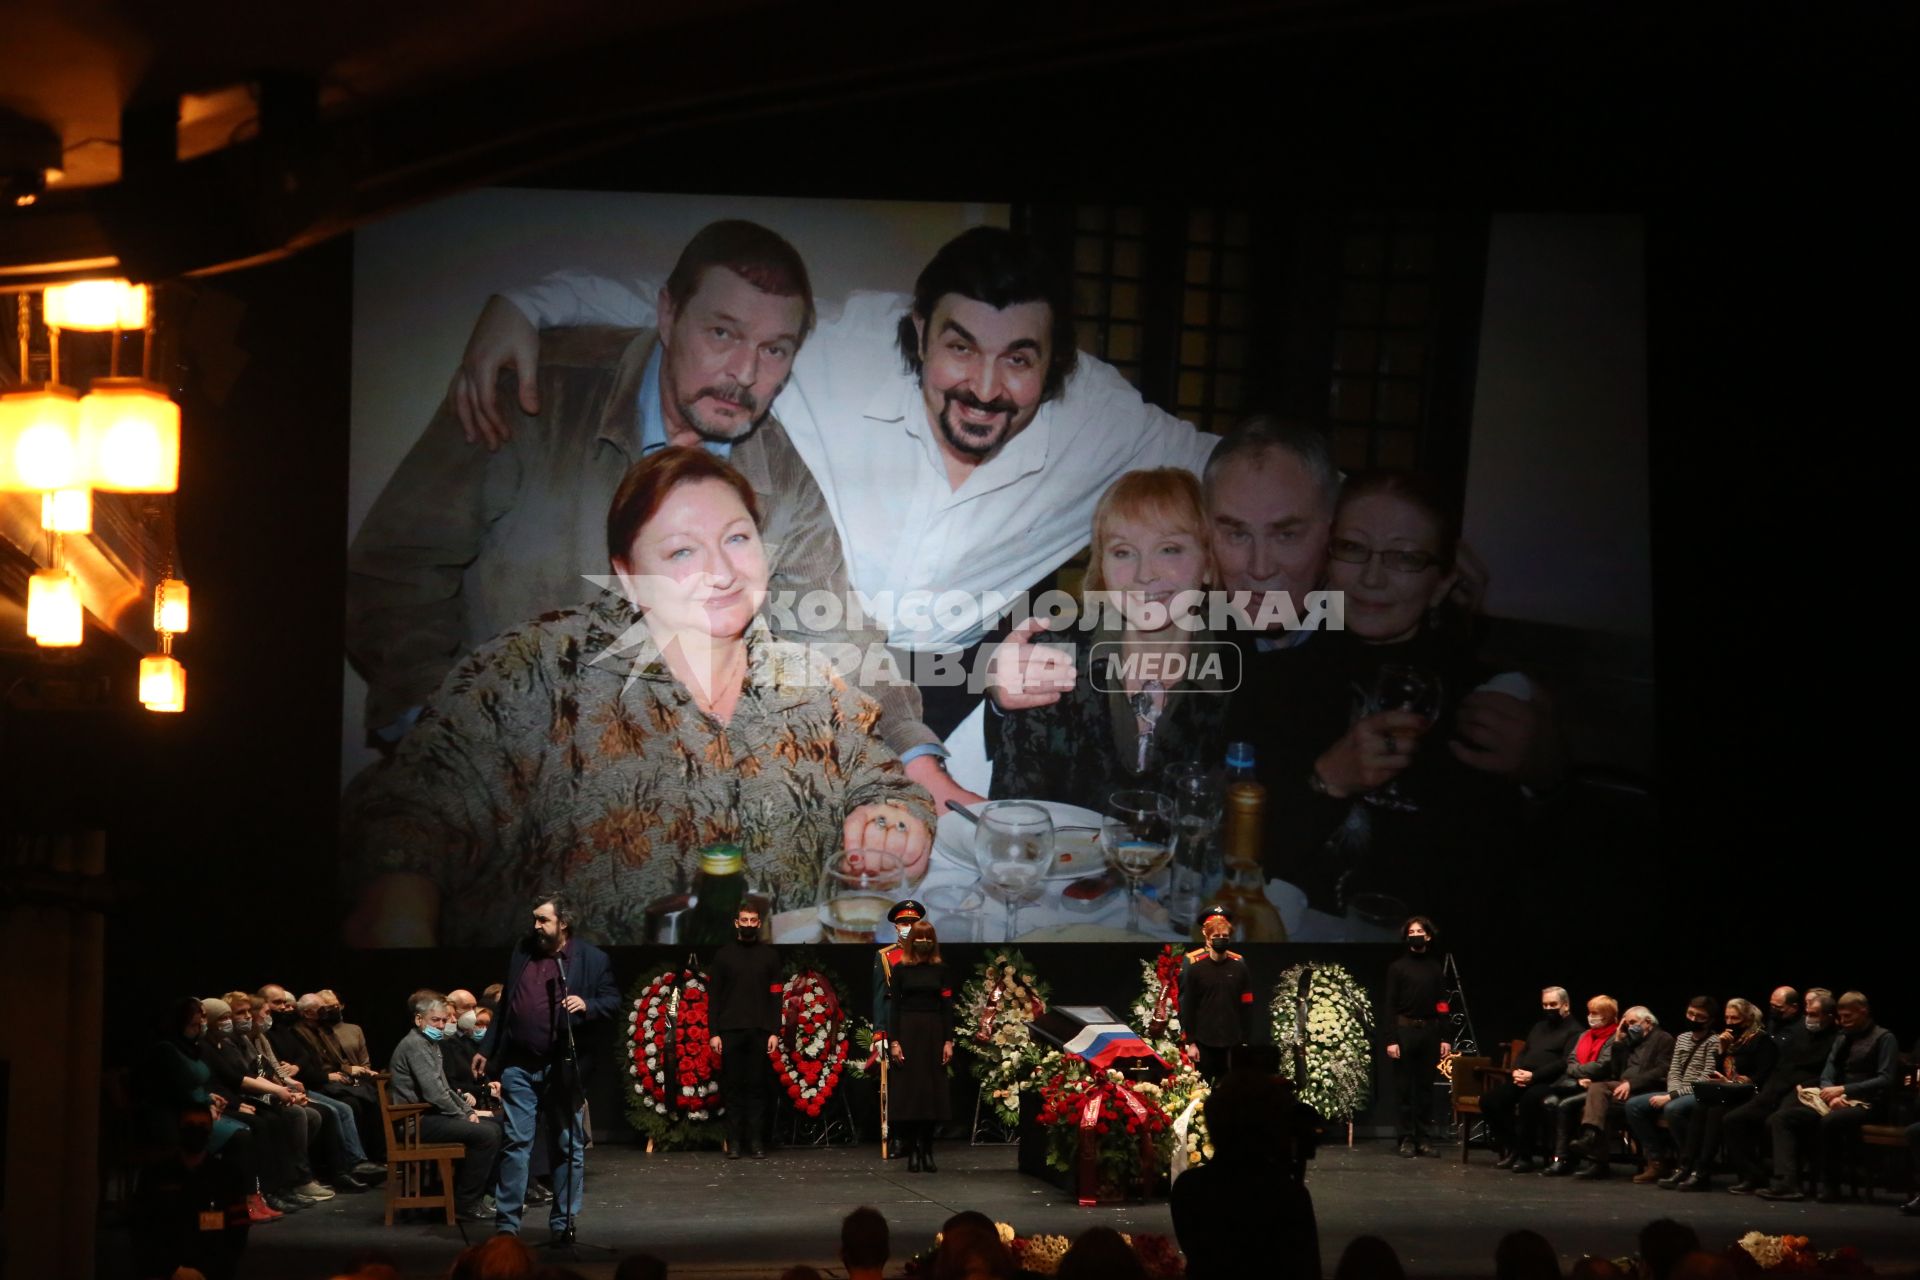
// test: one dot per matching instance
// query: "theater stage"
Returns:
(711, 1217)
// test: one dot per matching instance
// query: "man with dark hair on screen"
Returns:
(556, 986)
(961, 440)
(464, 543)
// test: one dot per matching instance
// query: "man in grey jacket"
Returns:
(420, 1075)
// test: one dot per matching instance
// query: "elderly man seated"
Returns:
(1641, 1054)
(419, 1075)
(1860, 1074)
(1588, 1060)
(1513, 1107)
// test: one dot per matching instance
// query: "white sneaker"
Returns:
(315, 1191)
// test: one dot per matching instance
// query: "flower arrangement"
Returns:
(1183, 1097)
(1042, 1254)
(811, 1052)
(1107, 1130)
(1157, 1008)
(1323, 1020)
(995, 1007)
(676, 1091)
(1757, 1252)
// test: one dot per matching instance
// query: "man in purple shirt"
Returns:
(556, 986)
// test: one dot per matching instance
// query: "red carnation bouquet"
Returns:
(675, 1071)
(1102, 1127)
(810, 1054)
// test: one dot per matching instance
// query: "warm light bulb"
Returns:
(67, 511)
(163, 683)
(130, 436)
(53, 609)
(170, 606)
(40, 439)
(96, 305)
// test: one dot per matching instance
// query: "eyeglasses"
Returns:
(1350, 552)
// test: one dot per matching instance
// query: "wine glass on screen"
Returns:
(1401, 688)
(1013, 846)
(1136, 834)
(857, 887)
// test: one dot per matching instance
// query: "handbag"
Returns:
(1724, 1093)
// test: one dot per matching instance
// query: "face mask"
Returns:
(245, 1024)
(923, 947)
(331, 1017)
(468, 1021)
(1816, 1024)
(1416, 945)
(433, 1033)
(1635, 1031)
(747, 932)
(266, 1022)
(904, 930)
(225, 1026)
(1217, 943)
(1552, 1015)
(1596, 1020)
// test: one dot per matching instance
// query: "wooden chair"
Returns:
(1468, 1080)
(408, 1157)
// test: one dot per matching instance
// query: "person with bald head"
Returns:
(458, 1046)
(311, 1047)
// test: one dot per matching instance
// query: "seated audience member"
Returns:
(279, 1139)
(971, 1249)
(463, 1035)
(1784, 1014)
(865, 1243)
(1512, 1107)
(644, 1266)
(1369, 1258)
(164, 1214)
(353, 1040)
(1695, 1057)
(1663, 1242)
(1590, 1059)
(1803, 1051)
(1747, 1054)
(1246, 1211)
(499, 1257)
(1382, 798)
(1099, 1253)
(687, 723)
(1701, 1265)
(1525, 1255)
(315, 1132)
(338, 1133)
(1641, 1053)
(1860, 1073)
(1100, 729)
(281, 1018)
(314, 1051)
(419, 1076)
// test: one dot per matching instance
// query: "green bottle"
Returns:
(718, 889)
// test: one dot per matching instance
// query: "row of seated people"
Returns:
(1800, 1078)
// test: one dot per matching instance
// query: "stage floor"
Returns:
(710, 1217)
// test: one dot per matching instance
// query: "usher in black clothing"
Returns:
(1417, 1002)
(1216, 999)
(1416, 991)
(746, 1010)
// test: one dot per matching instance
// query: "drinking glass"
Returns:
(1013, 847)
(857, 888)
(1401, 688)
(1137, 837)
(1196, 796)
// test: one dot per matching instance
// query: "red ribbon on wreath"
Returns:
(1089, 1187)
(1166, 971)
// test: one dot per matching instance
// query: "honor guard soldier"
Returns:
(901, 916)
(1216, 996)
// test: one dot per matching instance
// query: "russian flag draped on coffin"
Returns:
(1093, 1032)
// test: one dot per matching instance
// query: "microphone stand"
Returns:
(568, 1083)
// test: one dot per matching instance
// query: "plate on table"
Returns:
(1076, 840)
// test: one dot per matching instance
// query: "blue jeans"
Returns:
(524, 1092)
(347, 1151)
(1641, 1117)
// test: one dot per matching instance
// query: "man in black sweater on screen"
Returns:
(746, 1027)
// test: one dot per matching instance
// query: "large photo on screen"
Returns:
(826, 555)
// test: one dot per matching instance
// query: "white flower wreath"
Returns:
(1323, 1025)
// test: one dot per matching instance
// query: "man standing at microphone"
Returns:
(556, 986)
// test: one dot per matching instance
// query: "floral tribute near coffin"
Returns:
(1156, 1011)
(676, 1075)
(1111, 1134)
(1323, 1026)
(1041, 1254)
(816, 1031)
(992, 1013)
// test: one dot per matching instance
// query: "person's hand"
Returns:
(474, 1117)
(502, 338)
(931, 774)
(1659, 1100)
(898, 1054)
(714, 1044)
(1022, 675)
(1372, 753)
(1832, 1092)
(889, 828)
(288, 1070)
(246, 1109)
(1470, 579)
(574, 1004)
(493, 1089)
(1446, 1050)
(1393, 1051)
(1523, 1076)
(1510, 737)
(946, 1053)
(336, 1077)
(216, 1104)
(773, 1043)
(1622, 1091)
(480, 1064)
(471, 1100)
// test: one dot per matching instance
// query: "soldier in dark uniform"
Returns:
(902, 917)
(1216, 996)
(1416, 1007)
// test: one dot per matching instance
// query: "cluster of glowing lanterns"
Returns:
(122, 436)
